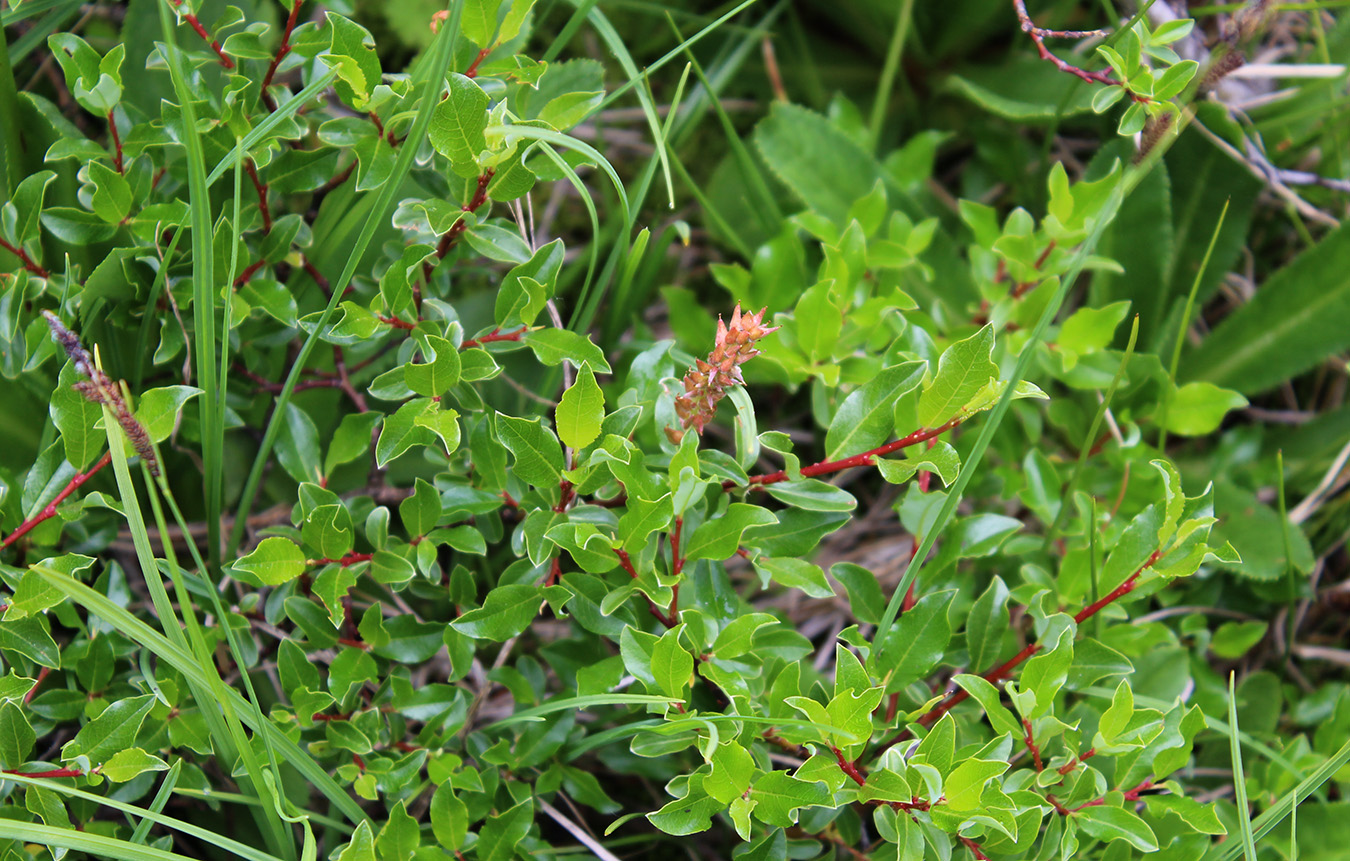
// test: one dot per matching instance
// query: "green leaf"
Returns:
(478, 21)
(351, 439)
(449, 818)
(113, 730)
(987, 625)
(439, 370)
(507, 611)
(401, 431)
(1232, 640)
(719, 537)
(822, 165)
(31, 638)
(158, 410)
(420, 511)
(552, 346)
(1300, 316)
(352, 54)
(964, 787)
(501, 835)
(16, 736)
(581, 410)
(672, 665)
(130, 762)
(539, 458)
(795, 574)
(111, 199)
(941, 459)
(688, 814)
(864, 592)
(1116, 823)
(917, 641)
(811, 494)
(780, 796)
(963, 370)
(1196, 409)
(361, 847)
(273, 562)
(864, 420)
(75, 416)
(298, 446)
(400, 837)
(458, 122)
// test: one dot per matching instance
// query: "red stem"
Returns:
(457, 229)
(27, 261)
(396, 322)
(32, 692)
(472, 71)
(974, 848)
(259, 187)
(50, 510)
(867, 458)
(201, 31)
(117, 143)
(249, 272)
(55, 772)
(1032, 746)
(848, 768)
(494, 335)
(281, 55)
(1073, 763)
(627, 562)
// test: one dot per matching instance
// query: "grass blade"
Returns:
(151, 816)
(84, 841)
(1239, 779)
(203, 294)
(889, 71)
(1185, 323)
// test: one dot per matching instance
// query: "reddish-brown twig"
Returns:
(282, 51)
(117, 142)
(494, 335)
(472, 71)
(196, 25)
(28, 262)
(261, 188)
(867, 458)
(49, 510)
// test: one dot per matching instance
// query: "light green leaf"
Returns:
(552, 346)
(1196, 409)
(158, 410)
(539, 458)
(113, 730)
(507, 611)
(581, 410)
(672, 665)
(865, 419)
(963, 370)
(449, 818)
(130, 762)
(718, 537)
(274, 561)
(1116, 823)
(458, 122)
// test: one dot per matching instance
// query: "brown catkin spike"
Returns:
(98, 388)
(706, 383)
